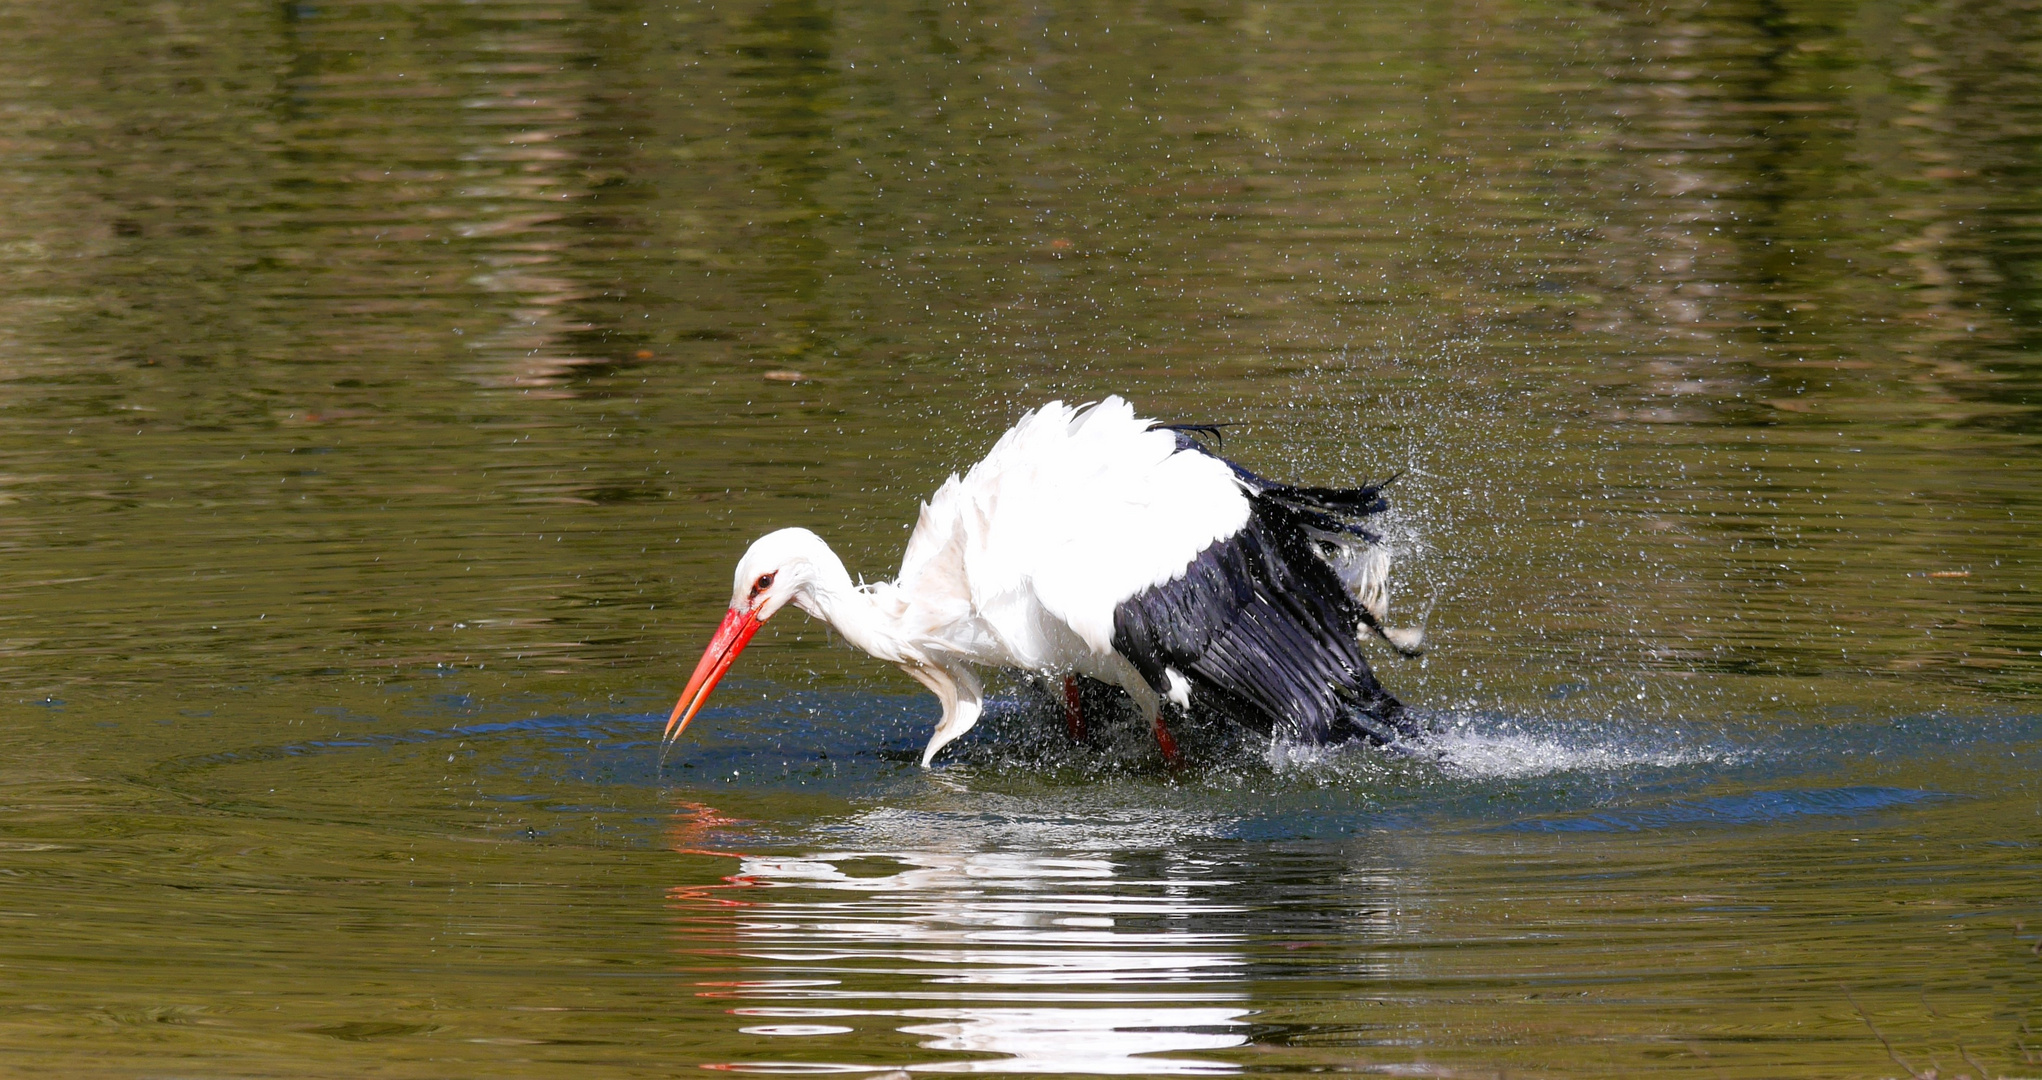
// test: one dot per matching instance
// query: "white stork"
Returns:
(1093, 542)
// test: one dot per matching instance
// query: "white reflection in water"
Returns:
(1100, 1041)
(1056, 965)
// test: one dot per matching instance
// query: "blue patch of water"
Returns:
(1755, 808)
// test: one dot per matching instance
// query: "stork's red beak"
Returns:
(731, 638)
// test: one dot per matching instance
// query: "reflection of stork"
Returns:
(1058, 963)
(1093, 542)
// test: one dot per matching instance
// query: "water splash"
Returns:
(1477, 755)
(1472, 748)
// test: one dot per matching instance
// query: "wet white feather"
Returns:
(1022, 560)
(1363, 566)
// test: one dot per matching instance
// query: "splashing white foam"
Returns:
(1468, 752)
(1478, 755)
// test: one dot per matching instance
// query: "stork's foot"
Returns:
(1074, 710)
(1166, 742)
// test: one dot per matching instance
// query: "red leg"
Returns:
(1165, 742)
(1074, 710)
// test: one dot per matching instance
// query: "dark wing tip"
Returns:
(1355, 502)
(1219, 438)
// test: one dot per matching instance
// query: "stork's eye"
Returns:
(765, 582)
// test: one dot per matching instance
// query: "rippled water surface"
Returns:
(386, 389)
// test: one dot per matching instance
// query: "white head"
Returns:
(788, 566)
(780, 567)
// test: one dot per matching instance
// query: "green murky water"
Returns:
(385, 390)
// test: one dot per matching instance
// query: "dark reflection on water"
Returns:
(385, 390)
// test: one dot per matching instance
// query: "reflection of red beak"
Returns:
(731, 638)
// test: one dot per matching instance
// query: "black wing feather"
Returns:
(1264, 630)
